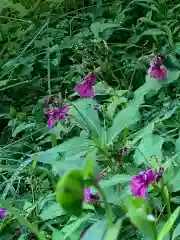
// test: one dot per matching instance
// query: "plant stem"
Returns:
(107, 208)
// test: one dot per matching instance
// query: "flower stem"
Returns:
(107, 208)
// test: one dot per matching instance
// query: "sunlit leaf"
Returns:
(150, 145)
(169, 224)
(52, 211)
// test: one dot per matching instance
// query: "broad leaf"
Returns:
(113, 232)
(169, 224)
(124, 119)
(71, 147)
(96, 231)
(176, 232)
(118, 178)
(52, 211)
(85, 114)
(98, 27)
(57, 235)
(138, 210)
(150, 145)
(22, 127)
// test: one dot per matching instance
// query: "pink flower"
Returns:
(57, 114)
(85, 89)
(88, 196)
(140, 183)
(3, 213)
(51, 122)
(61, 113)
(156, 70)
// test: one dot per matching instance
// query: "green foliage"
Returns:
(168, 225)
(47, 47)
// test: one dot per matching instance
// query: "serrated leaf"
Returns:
(52, 211)
(169, 224)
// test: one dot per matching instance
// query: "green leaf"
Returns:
(98, 27)
(169, 224)
(21, 219)
(118, 178)
(74, 146)
(154, 32)
(150, 145)
(113, 232)
(171, 62)
(3, 82)
(123, 119)
(96, 231)
(22, 127)
(76, 226)
(177, 145)
(52, 211)
(176, 232)
(174, 182)
(138, 210)
(141, 221)
(70, 192)
(57, 235)
(84, 113)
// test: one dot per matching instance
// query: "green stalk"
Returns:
(107, 208)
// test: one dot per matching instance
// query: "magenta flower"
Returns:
(139, 183)
(156, 69)
(88, 196)
(85, 89)
(61, 113)
(3, 213)
(51, 122)
(57, 114)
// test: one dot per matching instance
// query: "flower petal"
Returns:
(51, 122)
(159, 74)
(151, 176)
(85, 90)
(87, 195)
(90, 78)
(3, 213)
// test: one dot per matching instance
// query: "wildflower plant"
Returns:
(90, 120)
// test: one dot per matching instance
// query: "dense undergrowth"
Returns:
(132, 123)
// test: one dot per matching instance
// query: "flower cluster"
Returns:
(156, 69)
(84, 89)
(57, 114)
(140, 182)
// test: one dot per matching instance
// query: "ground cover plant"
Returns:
(89, 119)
